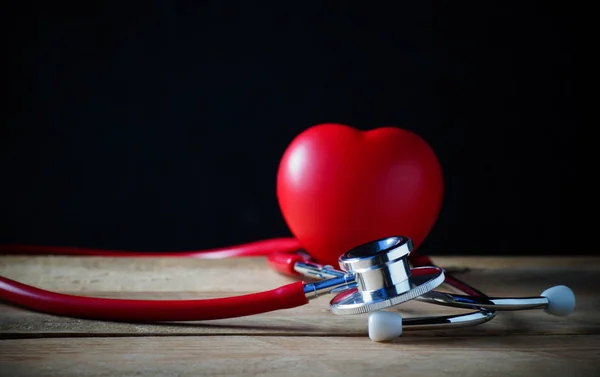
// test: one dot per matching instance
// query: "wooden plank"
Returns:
(233, 275)
(564, 263)
(313, 319)
(302, 356)
(303, 341)
(176, 278)
(76, 274)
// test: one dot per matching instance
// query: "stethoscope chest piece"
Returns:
(383, 277)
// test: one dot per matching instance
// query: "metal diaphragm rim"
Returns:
(422, 280)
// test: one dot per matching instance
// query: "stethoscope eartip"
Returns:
(384, 326)
(561, 300)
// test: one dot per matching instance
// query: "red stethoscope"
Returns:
(372, 278)
(332, 182)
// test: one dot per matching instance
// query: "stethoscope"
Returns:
(376, 276)
(372, 277)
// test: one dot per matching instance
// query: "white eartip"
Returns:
(384, 326)
(561, 300)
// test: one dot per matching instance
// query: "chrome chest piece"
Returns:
(383, 277)
(376, 276)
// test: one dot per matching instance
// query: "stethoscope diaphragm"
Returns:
(354, 301)
(383, 277)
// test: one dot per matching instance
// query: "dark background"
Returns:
(159, 125)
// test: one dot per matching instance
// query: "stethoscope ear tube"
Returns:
(109, 309)
(484, 302)
(382, 279)
(473, 318)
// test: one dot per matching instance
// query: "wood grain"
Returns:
(308, 340)
(302, 356)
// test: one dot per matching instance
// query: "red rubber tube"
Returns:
(285, 297)
(258, 248)
(282, 256)
(422, 261)
(284, 262)
(288, 296)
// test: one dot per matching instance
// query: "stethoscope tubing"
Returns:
(478, 315)
(128, 310)
(283, 254)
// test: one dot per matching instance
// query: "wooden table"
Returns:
(306, 341)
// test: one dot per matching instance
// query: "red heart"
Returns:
(339, 187)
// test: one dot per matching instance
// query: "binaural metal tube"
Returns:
(490, 303)
(323, 287)
(449, 321)
(315, 270)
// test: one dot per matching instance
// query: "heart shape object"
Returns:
(339, 187)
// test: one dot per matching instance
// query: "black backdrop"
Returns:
(159, 125)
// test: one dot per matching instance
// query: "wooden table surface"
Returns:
(305, 341)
